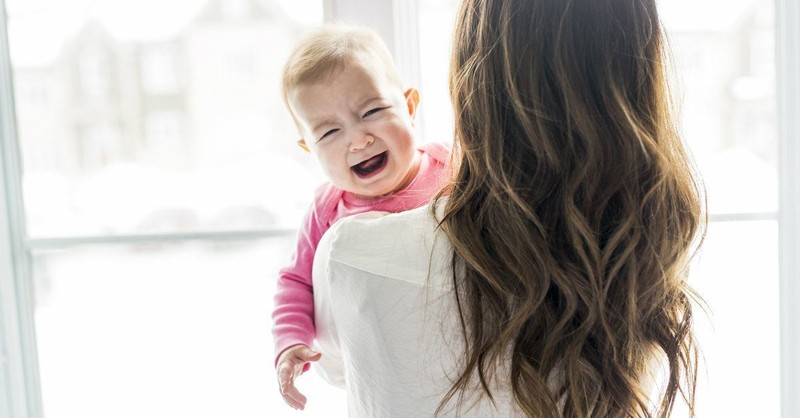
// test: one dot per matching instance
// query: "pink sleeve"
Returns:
(293, 316)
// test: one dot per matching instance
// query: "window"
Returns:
(730, 122)
(155, 152)
(143, 260)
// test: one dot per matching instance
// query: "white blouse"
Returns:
(386, 322)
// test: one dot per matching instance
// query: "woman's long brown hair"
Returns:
(574, 211)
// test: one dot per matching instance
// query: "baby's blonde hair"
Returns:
(331, 48)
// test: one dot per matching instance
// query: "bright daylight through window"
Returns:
(144, 123)
(159, 119)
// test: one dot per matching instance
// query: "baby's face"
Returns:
(360, 127)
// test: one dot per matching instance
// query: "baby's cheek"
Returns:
(329, 168)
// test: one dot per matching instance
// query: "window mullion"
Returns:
(394, 20)
(377, 14)
(743, 217)
(231, 235)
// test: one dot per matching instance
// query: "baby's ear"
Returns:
(412, 101)
(302, 143)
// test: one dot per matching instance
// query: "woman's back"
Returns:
(386, 320)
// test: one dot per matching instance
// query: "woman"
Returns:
(549, 279)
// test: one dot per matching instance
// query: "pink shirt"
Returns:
(293, 315)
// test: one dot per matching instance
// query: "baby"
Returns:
(352, 112)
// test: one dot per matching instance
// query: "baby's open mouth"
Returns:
(370, 165)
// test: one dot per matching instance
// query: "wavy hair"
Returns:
(574, 211)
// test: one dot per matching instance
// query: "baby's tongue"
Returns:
(370, 165)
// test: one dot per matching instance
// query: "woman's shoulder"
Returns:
(376, 224)
(406, 245)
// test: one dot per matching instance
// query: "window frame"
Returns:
(787, 30)
(19, 371)
(395, 20)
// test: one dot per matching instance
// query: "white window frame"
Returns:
(19, 377)
(787, 22)
(395, 20)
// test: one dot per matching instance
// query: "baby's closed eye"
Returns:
(374, 111)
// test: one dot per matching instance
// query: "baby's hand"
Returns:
(290, 365)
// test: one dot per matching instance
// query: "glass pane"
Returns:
(164, 330)
(724, 51)
(152, 116)
(737, 274)
(436, 19)
(725, 63)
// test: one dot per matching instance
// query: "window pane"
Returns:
(436, 19)
(725, 63)
(152, 116)
(164, 330)
(737, 274)
(724, 51)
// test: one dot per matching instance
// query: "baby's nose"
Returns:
(361, 142)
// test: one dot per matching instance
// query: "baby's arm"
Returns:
(293, 316)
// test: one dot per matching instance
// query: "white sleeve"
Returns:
(330, 366)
